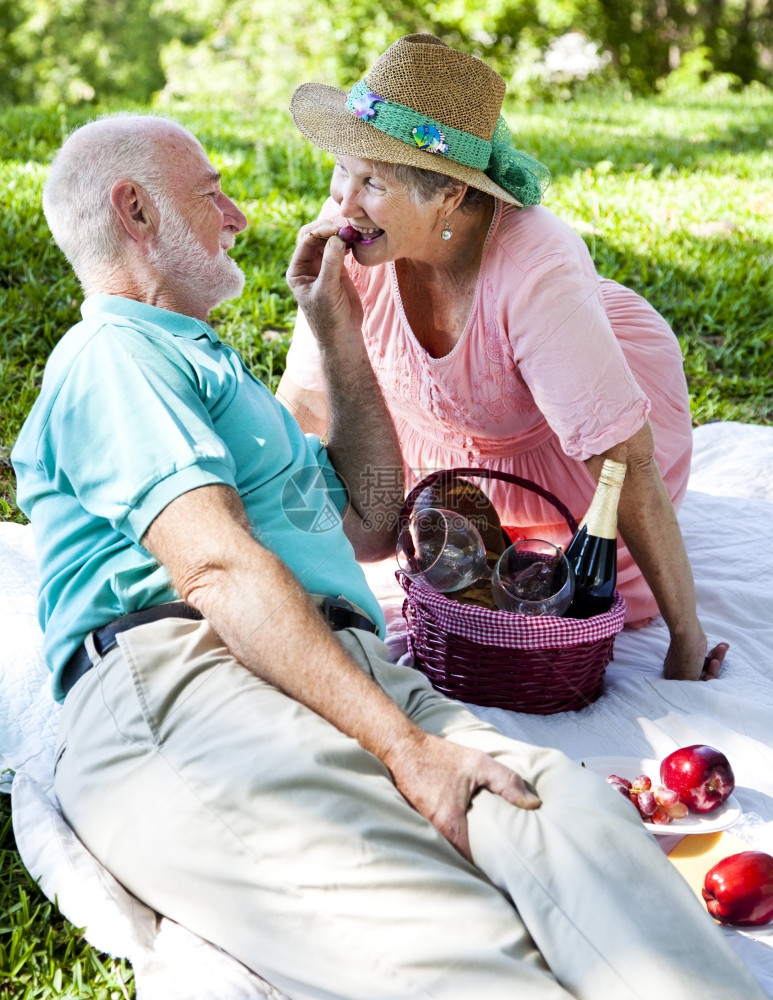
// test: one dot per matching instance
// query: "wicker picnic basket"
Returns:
(524, 663)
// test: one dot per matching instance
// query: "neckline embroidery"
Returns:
(426, 358)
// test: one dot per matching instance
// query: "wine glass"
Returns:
(533, 577)
(442, 548)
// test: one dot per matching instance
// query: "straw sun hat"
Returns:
(429, 106)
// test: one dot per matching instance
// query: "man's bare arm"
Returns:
(274, 629)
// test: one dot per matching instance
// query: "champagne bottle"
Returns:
(592, 553)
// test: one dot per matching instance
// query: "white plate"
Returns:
(631, 767)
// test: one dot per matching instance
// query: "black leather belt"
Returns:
(338, 613)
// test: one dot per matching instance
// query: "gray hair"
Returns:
(425, 184)
(76, 196)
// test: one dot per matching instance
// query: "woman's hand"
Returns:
(320, 284)
(689, 661)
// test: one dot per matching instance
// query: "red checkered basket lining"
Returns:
(525, 663)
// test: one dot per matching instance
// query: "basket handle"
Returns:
(445, 475)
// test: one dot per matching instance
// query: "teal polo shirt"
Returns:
(139, 405)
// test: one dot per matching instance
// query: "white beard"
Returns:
(188, 267)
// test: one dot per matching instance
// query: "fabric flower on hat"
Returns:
(363, 106)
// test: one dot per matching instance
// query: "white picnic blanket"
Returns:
(727, 521)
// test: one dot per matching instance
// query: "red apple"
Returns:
(739, 889)
(700, 775)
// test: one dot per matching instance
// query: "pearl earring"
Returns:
(447, 232)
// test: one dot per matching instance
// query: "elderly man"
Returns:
(235, 745)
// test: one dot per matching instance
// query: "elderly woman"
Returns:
(494, 340)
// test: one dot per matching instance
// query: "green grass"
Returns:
(41, 955)
(673, 198)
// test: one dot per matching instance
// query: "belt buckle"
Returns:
(330, 605)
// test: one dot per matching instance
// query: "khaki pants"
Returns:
(239, 813)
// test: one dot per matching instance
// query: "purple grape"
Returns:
(349, 235)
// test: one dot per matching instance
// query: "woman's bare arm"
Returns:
(649, 527)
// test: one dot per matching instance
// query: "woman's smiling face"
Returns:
(393, 223)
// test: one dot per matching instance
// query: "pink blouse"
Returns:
(555, 364)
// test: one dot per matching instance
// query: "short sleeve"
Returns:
(131, 431)
(570, 359)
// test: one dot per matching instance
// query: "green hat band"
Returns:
(515, 171)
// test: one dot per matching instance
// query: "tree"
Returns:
(90, 50)
(258, 52)
(238, 53)
(649, 38)
(11, 17)
(741, 38)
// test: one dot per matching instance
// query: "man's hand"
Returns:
(439, 778)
